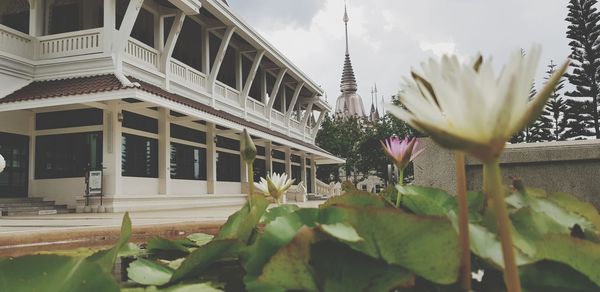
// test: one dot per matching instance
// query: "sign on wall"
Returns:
(95, 183)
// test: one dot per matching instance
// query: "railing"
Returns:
(295, 124)
(277, 116)
(255, 106)
(226, 92)
(70, 44)
(142, 52)
(191, 76)
(15, 42)
(232, 94)
(329, 190)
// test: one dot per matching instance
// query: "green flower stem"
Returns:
(463, 221)
(495, 189)
(250, 182)
(400, 182)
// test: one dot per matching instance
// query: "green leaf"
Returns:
(427, 246)
(200, 239)
(574, 205)
(312, 262)
(241, 224)
(276, 234)
(106, 258)
(199, 287)
(278, 211)
(551, 276)
(341, 231)
(147, 272)
(581, 255)
(542, 205)
(203, 257)
(159, 244)
(339, 268)
(131, 250)
(436, 202)
(356, 199)
(53, 273)
(288, 268)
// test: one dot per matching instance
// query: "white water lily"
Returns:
(275, 185)
(2, 164)
(471, 108)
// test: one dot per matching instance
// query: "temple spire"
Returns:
(346, 20)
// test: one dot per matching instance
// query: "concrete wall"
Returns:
(64, 191)
(571, 166)
(17, 122)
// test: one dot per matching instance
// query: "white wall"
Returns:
(16, 122)
(187, 187)
(62, 191)
(9, 84)
(132, 186)
(228, 188)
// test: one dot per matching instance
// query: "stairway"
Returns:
(30, 207)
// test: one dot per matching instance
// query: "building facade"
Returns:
(154, 93)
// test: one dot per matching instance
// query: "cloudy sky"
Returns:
(389, 37)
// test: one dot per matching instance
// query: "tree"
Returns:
(584, 33)
(553, 120)
(532, 133)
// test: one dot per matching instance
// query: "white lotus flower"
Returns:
(275, 185)
(2, 164)
(470, 108)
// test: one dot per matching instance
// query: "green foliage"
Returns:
(355, 242)
(54, 273)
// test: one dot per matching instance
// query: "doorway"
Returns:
(14, 178)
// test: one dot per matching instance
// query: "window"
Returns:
(140, 122)
(189, 44)
(278, 155)
(143, 29)
(296, 158)
(228, 167)
(139, 156)
(188, 134)
(296, 174)
(72, 15)
(260, 169)
(15, 14)
(188, 162)
(68, 155)
(228, 143)
(308, 181)
(68, 119)
(278, 167)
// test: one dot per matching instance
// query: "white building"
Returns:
(153, 92)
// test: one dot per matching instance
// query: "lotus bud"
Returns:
(2, 164)
(248, 149)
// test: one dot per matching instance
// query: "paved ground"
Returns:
(65, 222)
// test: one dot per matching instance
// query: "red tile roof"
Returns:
(104, 83)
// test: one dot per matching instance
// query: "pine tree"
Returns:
(532, 132)
(584, 33)
(553, 119)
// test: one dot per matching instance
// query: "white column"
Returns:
(303, 168)
(239, 83)
(164, 151)
(313, 174)
(211, 158)
(31, 183)
(112, 150)
(110, 11)
(288, 162)
(269, 157)
(205, 51)
(243, 173)
(36, 17)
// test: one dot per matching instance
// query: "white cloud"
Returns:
(388, 37)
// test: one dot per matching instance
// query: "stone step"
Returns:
(27, 204)
(31, 208)
(35, 213)
(19, 200)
